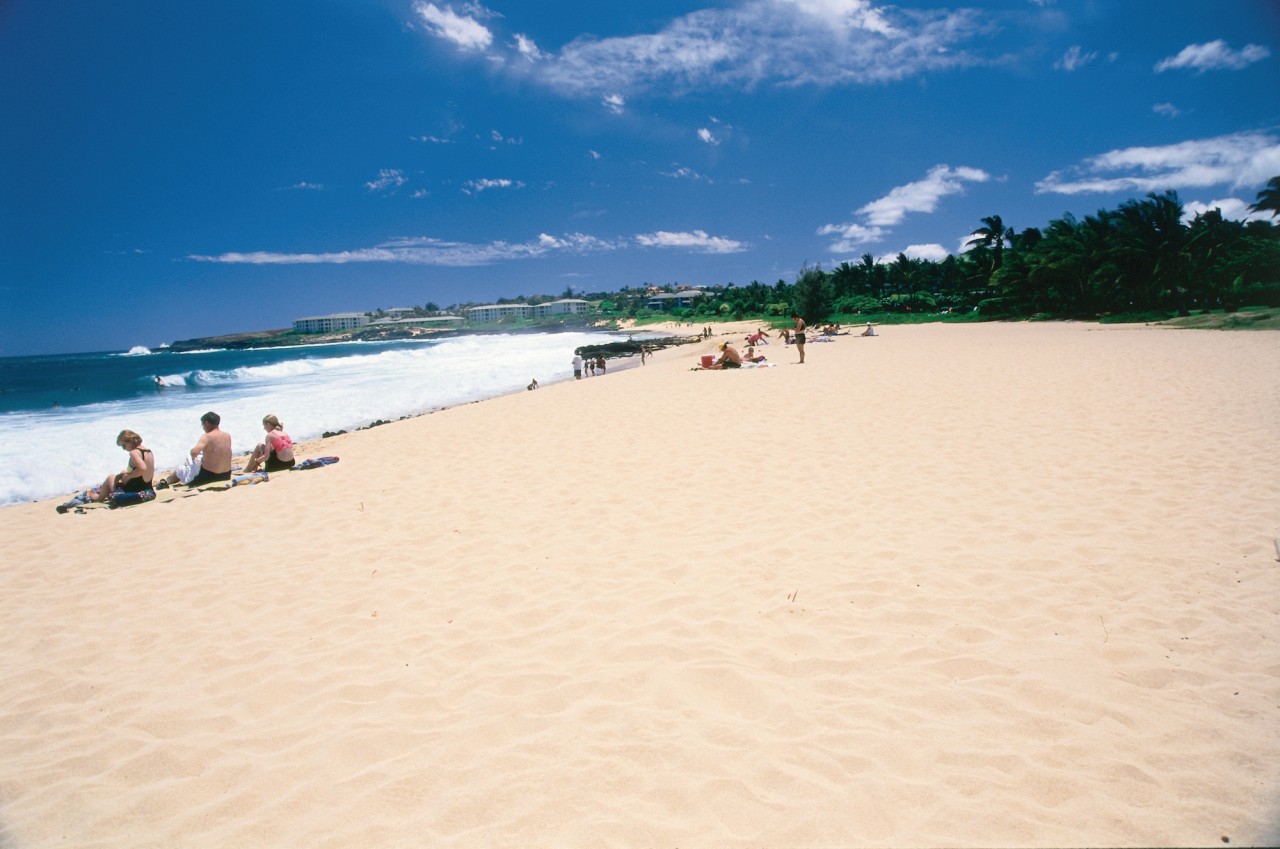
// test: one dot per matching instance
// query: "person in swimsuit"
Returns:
(136, 477)
(799, 337)
(275, 453)
(213, 450)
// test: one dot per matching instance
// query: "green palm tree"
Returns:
(992, 236)
(1269, 198)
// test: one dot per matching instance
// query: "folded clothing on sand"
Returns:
(316, 462)
(190, 467)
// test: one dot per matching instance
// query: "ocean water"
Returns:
(59, 415)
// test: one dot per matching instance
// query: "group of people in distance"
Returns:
(590, 365)
(209, 461)
(795, 335)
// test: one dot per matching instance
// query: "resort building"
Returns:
(670, 300)
(432, 321)
(564, 306)
(330, 323)
(498, 312)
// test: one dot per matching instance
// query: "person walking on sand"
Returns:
(213, 451)
(577, 367)
(799, 337)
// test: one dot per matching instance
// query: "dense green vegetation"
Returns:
(1140, 261)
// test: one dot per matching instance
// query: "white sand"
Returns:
(979, 585)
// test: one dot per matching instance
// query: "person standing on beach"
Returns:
(799, 337)
(577, 367)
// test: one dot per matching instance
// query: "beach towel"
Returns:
(315, 463)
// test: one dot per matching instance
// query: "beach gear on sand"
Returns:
(121, 498)
(249, 479)
(315, 463)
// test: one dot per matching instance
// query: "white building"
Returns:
(330, 323)
(564, 306)
(498, 312)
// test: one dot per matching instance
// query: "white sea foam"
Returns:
(49, 452)
(137, 351)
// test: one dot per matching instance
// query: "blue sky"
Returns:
(171, 170)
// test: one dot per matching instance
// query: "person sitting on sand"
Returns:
(870, 331)
(214, 452)
(533, 384)
(751, 357)
(275, 453)
(729, 358)
(136, 477)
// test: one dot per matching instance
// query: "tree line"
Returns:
(1139, 258)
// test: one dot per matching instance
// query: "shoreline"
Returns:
(225, 379)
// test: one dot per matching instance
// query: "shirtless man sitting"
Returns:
(729, 358)
(214, 451)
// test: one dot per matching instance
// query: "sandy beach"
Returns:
(956, 585)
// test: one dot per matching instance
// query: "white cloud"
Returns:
(615, 103)
(1213, 56)
(478, 186)
(751, 42)
(707, 136)
(464, 31)
(594, 154)
(314, 187)
(920, 196)
(684, 173)
(932, 252)
(1075, 57)
(696, 240)
(499, 138)
(1239, 160)
(526, 47)
(852, 236)
(1232, 208)
(389, 179)
(1166, 109)
(431, 139)
(427, 251)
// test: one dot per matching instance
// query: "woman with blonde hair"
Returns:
(275, 453)
(137, 475)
